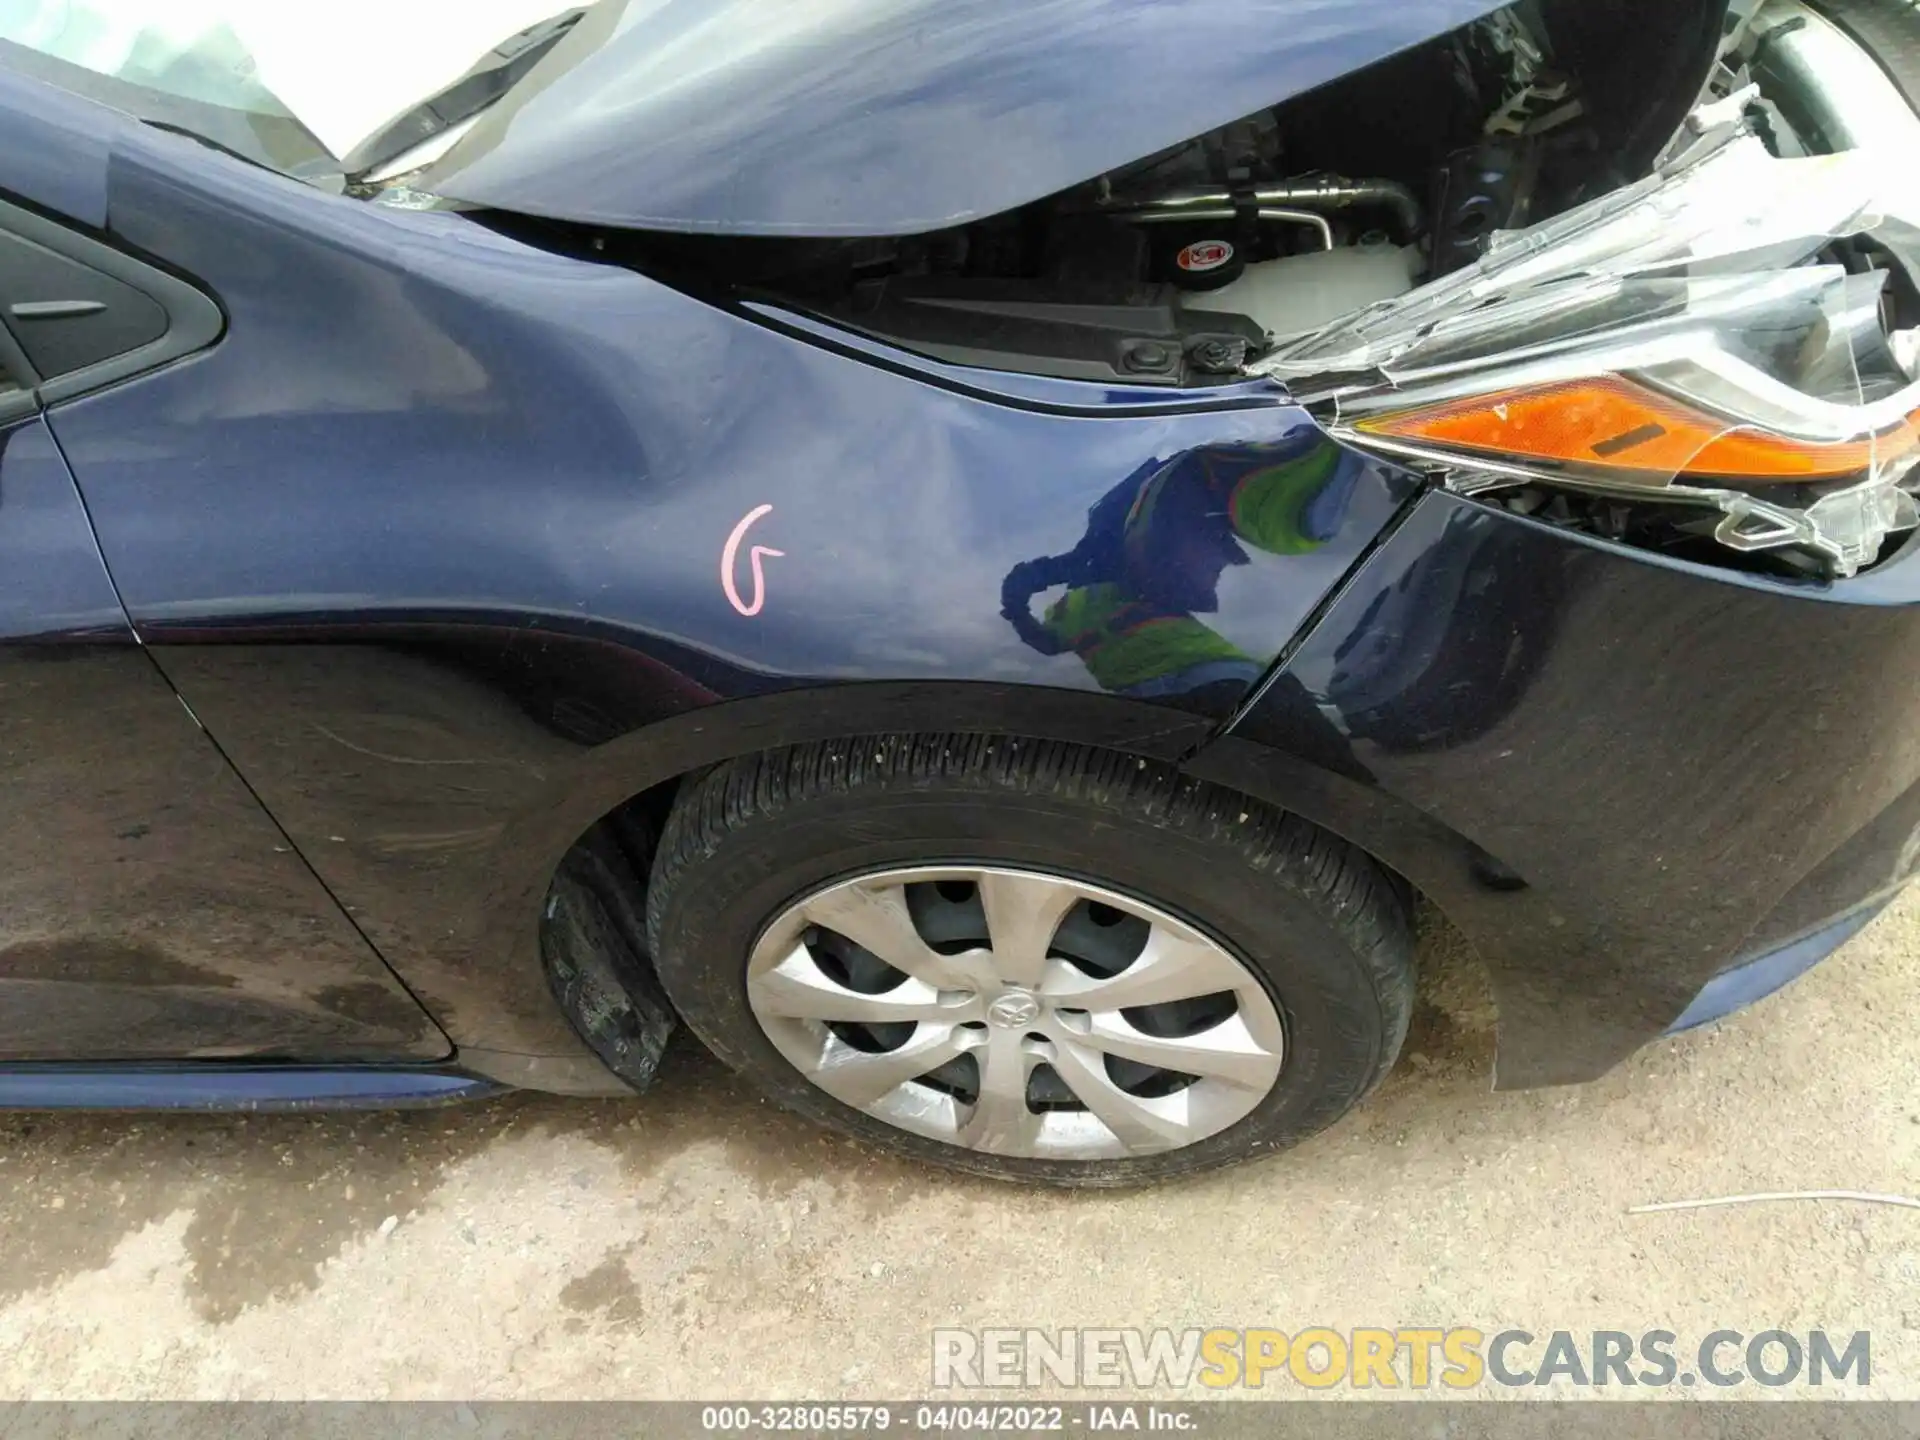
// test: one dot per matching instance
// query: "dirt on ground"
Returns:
(697, 1242)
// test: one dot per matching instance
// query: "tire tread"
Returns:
(1362, 900)
(1889, 31)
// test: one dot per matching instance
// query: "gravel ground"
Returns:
(698, 1243)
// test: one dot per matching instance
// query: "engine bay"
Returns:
(1186, 264)
(1344, 216)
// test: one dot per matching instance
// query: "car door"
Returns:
(149, 907)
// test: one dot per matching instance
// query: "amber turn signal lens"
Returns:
(1613, 424)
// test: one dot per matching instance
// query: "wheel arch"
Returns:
(642, 769)
(650, 760)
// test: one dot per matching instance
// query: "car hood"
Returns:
(875, 117)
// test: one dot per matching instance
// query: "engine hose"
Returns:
(1314, 193)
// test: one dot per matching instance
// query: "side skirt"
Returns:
(204, 1085)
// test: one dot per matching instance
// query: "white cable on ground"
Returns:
(1864, 1196)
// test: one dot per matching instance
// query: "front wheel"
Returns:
(1889, 32)
(1842, 74)
(1026, 959)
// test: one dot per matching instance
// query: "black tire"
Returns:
(1889, 31)
(1322, 926)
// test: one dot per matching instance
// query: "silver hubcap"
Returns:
(1015, 1012)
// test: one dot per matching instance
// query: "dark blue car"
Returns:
(981, 555)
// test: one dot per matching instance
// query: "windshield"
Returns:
(291, 85)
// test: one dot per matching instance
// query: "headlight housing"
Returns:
(1723, 336)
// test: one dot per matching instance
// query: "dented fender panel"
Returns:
(511, 508)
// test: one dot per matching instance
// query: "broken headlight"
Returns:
(1725, 338)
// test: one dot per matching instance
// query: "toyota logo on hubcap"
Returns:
(1014, 1009)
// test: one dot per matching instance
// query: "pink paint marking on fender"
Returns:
(754, 554)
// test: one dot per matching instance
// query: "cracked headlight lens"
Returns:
(1724, 337)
